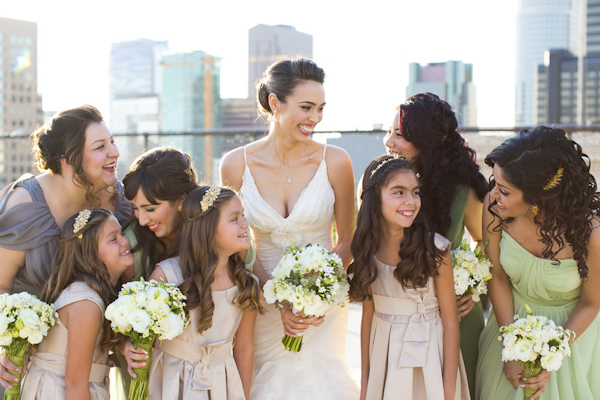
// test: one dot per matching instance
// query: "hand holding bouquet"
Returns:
(24, 321)
(537, 342)
(471, 271)
(142, 311)
(310, 279)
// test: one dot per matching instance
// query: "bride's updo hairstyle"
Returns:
(64, 136)
(282, 77)
(418, 253)
(554, 174)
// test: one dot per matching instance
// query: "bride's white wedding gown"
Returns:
(318, 371)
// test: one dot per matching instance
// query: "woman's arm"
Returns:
(232, 169)
(499, 286)
(243, 350)
(84, 321)
(444, 283)
(368, 309)
(341, 177)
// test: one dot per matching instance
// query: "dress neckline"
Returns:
(247, 168)
(563, 260)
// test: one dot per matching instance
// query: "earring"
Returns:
(535, 209)
(179, 208)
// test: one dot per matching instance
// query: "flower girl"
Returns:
(71, 362)
(402, 273)
(222, 302)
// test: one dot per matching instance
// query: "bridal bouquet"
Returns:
(537, 342)
(310, 279)
(144, 310)
(24, 321)
(471, 271)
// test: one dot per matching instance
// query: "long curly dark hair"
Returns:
(529, 162)
(419, 256)
(78, 260)
(162, 174)
(429, 123)
(199, 258)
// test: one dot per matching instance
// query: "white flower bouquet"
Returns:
(24, 321)
(471, 271)
(310, 279)
(536, 342)
(144, 310)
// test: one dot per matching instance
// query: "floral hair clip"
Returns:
(82, 219)
(209, 197)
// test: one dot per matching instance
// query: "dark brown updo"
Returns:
(63, 136)
(282, 77)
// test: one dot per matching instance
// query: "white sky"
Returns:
(365, 47)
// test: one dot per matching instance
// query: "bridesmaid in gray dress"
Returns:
(77, 156)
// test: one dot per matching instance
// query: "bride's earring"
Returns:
(535, 209)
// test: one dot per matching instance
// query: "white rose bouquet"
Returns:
(537, 342)
(471, 271)
(144, 310)
(310, 279)
(24, 321)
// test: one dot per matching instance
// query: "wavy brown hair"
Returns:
(429, 123)
(162, 174)
(64, 136)
(198, 258)
(419, 256)
(528, 161)
(77, 260)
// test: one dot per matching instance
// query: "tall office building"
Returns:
(20, 104)
(267, 44)
(134, 85)
(190, 102)
(593, 26)
(452, 81)
(543, 25)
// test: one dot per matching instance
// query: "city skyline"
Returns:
(364, 50)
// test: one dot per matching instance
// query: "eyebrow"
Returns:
(404, 188)
(309, 102)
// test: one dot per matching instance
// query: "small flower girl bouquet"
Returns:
(24, 321)
(142, 311)
(471, 271)
(537, 342)
(310, 279)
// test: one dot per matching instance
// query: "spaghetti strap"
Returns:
(245, 160)
(324, 150)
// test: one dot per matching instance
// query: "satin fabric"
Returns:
(194, 365)
(318, 370)
(406, 345)
(552, 291)
(46, 378)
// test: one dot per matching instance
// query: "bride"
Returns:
(292, 188)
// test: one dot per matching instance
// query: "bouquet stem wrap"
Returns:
(138, 390)
(16, 354)
(293, 344)
(532, 368)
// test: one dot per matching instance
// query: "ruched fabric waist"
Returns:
(58, 364)
(192, 352)
(405, 306)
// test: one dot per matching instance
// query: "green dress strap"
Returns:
(457, 215)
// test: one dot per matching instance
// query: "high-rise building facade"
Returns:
(593, 26)
(134, 85)
(190, 102)
(20, 103)
(543, 25)
(451, 81)
(267, 44)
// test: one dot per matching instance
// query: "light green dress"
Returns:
(552, 291)
(471, 325)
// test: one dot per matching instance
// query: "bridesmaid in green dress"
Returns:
(424, 130)
(544, 241)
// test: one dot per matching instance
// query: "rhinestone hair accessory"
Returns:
(209, 197)
(555, 180)
(387, 160)
(82, 219)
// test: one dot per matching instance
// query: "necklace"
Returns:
(289, 179)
